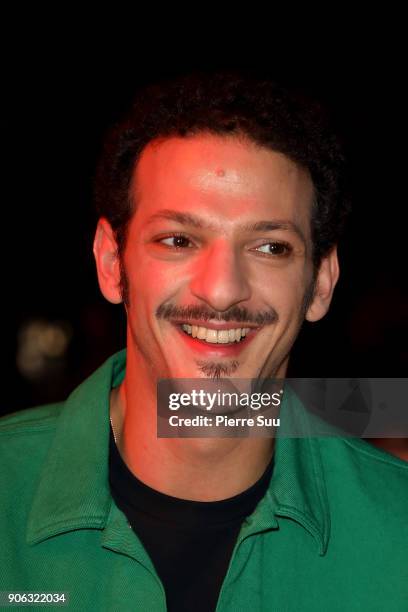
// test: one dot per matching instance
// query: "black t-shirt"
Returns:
(189, 542)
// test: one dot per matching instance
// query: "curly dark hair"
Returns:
(228, 103)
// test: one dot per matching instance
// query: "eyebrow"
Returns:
(195, 221)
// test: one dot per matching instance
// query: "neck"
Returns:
(200, 469)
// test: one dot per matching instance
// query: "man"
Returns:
(221, 204)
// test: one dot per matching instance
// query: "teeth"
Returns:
(201, 333)
(211, 336)
(223, 336)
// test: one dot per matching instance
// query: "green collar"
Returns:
(73, 491)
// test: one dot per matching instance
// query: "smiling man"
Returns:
(220, 207)
(233, 254)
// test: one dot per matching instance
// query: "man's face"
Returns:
(220, 240)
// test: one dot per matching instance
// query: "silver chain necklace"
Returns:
(115, 437)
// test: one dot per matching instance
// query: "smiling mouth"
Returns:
(214, 336)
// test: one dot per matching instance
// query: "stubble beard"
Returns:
(216, 369)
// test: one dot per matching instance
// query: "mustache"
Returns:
(236, 313)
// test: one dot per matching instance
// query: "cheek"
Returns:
(283, 290)
(151, 283)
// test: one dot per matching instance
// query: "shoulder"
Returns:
(355, 470)
(25, 441)
(25, 438)
(30, 420)
(359, 452)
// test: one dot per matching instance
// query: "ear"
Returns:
(326, 280)
(107, 261)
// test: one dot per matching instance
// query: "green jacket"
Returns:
(330, 534)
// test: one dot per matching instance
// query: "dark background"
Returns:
(60, 93)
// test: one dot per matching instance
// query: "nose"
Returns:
(220, 278)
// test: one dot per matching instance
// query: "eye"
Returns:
(275, 248)
(179, 241)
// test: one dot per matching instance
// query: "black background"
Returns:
(61, 88)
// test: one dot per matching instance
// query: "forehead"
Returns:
(224, 177)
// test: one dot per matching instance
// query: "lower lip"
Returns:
(216, 350)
